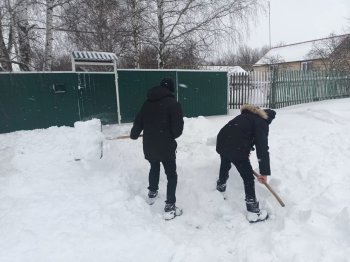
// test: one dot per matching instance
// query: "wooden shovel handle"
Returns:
(271, 190)
(120, 137)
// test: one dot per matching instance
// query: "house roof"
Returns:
(296, 52)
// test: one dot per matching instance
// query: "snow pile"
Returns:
(53, 208)
(87, 142)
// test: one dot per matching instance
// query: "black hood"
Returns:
(168, 83)
(271, 115)
(158, 92)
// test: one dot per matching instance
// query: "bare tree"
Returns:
(23, 30)
(273, 61)
(333, 52)
(25, 26)
(138, 30)
(148, 57)
(245, 57)
(97, 25)
(5, 48)
(200, 21)
(143, 33)
(50, 4)
(15, 31)
(187, 56)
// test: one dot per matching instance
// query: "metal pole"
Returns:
(73, 62)
(177, 85)
(269, 25)
(117, 89)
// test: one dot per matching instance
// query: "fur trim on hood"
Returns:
(256, 110)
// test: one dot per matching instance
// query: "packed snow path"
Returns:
(53, 208)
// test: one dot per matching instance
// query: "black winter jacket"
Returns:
(237, 138)
(161, 120)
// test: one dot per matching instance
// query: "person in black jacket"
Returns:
(161, 121)
(234, 143)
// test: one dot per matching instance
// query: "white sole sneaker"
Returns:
(172, 214)
(257, 217)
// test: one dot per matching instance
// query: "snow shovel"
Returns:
(271, 190)
(120, 137)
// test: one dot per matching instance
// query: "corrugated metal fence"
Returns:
(40, 100)
(281, 89)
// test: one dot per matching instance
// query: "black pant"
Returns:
(245, 170)
(170, 171)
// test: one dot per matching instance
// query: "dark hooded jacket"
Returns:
(161, 121)
(238, 137)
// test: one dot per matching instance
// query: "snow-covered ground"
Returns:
(53, 208)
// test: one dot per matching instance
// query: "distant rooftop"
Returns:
(297, 51)
(230, 69)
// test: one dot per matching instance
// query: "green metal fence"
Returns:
(199, 92)
(286, 88)
(202, 93)
(296, 87)
(39, 100)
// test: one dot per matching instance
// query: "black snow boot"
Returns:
(221, 187)
(152, 196)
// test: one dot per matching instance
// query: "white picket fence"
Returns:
(250, 88)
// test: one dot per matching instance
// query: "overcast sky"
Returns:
(301, 20)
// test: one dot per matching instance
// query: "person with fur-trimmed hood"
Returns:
(161, 121)
(234, 143)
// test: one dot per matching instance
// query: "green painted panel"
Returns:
(58, 99)
(202, 93)
(8, 104)
(25, 110)
(133, 88)
(29, 101)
